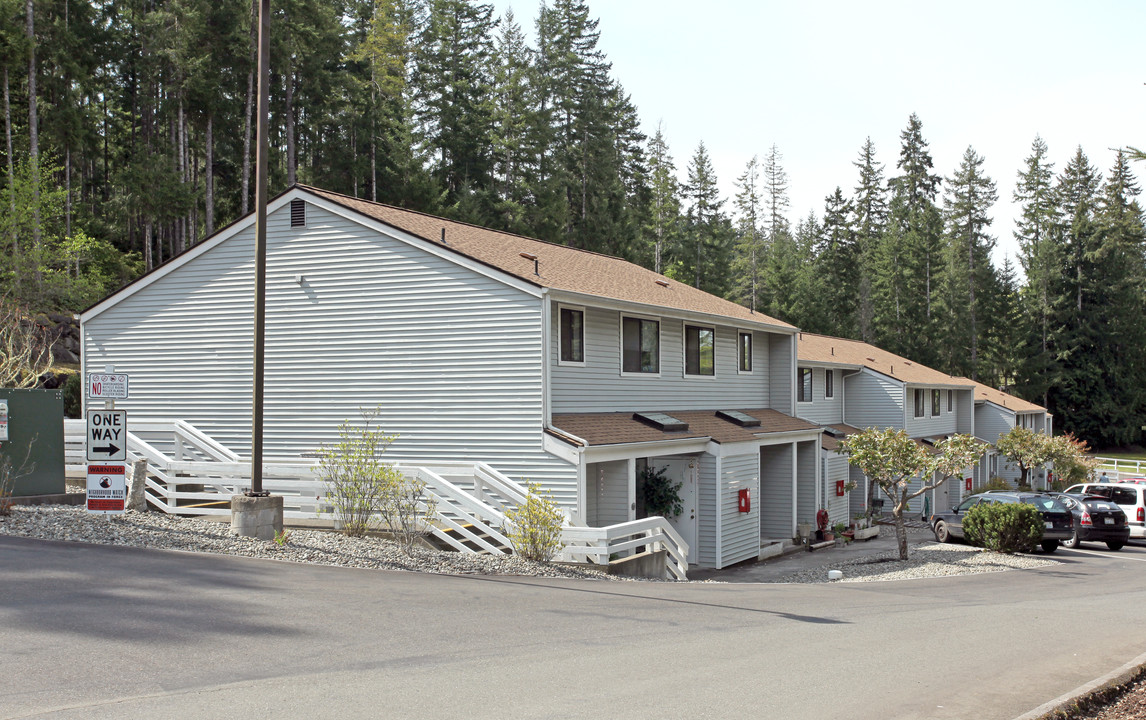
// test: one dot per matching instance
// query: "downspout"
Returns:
(546, 352)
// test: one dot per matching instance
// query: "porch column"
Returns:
(632, 465)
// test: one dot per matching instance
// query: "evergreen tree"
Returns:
(1002, 350)
(837, 277)
(749, 256)
(1034, 192)
(514, 150)
(663, 225)
(969, 281)
(870, 223)
(703, 257)
(775, 193)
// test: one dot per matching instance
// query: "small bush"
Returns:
(1004, 527)
(73, 395)
(995, 483)
(536, 531)
(662, 495)
(357, 481)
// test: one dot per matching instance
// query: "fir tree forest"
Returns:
(129, 137)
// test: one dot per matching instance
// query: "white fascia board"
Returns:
(826, 364)
(664, 311)
(606, 453)
(790, 436)
(182, 259)
(421, 243)
(732, 449)
(561, 450)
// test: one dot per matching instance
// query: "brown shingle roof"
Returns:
(826, 349)
(619, 428)
(558, 266)
(990, 394)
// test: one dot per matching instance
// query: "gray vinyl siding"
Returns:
(776, 497)
(873, 400)
(807, 470)
(836, 469)
(943, 424)
(608, 493)
(451, 357)
(991, 421)
(858, 498)
(966, 417)
(740, 532)
(707, 490)
(598, 385)
(822, 409)
(782, 372)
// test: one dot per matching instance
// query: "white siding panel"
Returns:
(610, 491)
(776, 497)
(782, 372)
(598, 386)
(740, 532)
(964, 412)
(822, 409)
(991, 421)
(451, 357)
(807, 467)
(707, 490)
(836, 469)
(873, 401)
(858, 498)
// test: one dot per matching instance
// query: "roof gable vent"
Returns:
(298, 213)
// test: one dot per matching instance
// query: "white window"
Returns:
(744, 351)
(935, 403)
(805, 389)
(571, 333)
(699, 350)
(829, 383)
(920, 403)
(950, 400)
(640, 345)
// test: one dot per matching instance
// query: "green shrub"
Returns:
(995, 483)
(536, 530)
(662, 495)
(1004, 527)
(73, 395)
(357, 482)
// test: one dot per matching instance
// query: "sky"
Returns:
(818, 78)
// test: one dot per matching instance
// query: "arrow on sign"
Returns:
(107, 449)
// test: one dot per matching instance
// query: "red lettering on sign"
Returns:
(105, 505)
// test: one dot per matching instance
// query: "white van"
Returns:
(1128, 496)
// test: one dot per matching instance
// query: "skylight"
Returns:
(737, 417)
(661, 421)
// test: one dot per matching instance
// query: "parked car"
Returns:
(1059, 522)
(1128, 496)
(1096, 519)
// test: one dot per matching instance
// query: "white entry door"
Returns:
(684, 471)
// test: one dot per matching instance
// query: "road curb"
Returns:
(1066, 706)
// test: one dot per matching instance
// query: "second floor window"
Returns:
(640, 346)
(920, 401)
(699, 355)
(935, 406)
(950, 400)
(804, 393)
(744, 351)
(572, 335)
(829, 383)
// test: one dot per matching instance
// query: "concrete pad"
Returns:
(258, 517)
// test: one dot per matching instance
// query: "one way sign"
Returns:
(107, 435)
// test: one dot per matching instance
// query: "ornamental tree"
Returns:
(1026, 447)
(1071, 462)
(891, 459)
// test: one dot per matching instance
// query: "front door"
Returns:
(684, 471)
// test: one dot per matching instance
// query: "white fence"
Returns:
(189, 473)
(1120, 468)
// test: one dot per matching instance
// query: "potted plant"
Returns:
(840, 530)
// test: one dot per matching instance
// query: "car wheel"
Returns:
(1050, 545)
(942, 534)
(1072, 542)
(1115, 545)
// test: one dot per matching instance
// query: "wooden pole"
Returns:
(260, 249)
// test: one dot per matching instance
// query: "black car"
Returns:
(1096, 519)
(1059, 521)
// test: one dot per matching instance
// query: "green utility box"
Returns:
(32, 439)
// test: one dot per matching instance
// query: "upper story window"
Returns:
(950, 400)
(829, 383)
(920, 403)
(804, 393)
(640, 345)
(572, 335)
(699, 350)
(744, 351)
(935, 403)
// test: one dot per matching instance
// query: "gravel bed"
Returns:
(170, 532)
(924, 561)
(1128, 704)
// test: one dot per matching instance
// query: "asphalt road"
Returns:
(100, 632)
